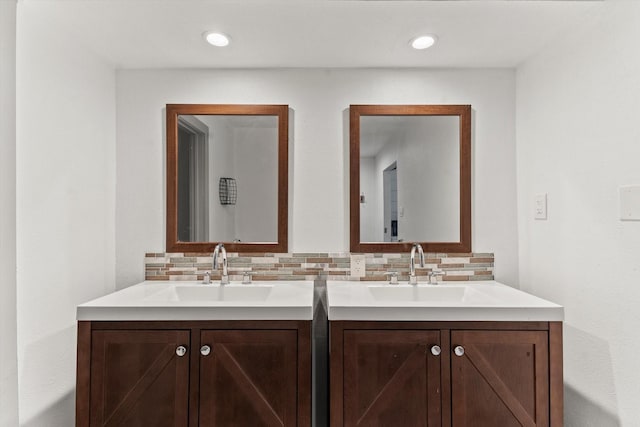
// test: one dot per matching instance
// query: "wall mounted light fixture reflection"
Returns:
(228, 191)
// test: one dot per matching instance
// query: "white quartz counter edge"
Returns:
(352, 301)
(289, 300)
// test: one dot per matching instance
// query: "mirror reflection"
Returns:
(409, 178)
(227, 178)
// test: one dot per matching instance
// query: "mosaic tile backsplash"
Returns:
(311, 266)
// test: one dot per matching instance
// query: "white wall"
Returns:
(65, 208)
(319, 180)
(256, 165)
(222, 218)
(8, 362)
(578, 140)
(429, 181)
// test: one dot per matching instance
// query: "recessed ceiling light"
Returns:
(423, 42)
(216, 39)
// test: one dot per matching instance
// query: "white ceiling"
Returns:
(310, 33)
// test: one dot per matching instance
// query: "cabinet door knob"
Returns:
(459, 350)
(181, 350)
(436, 350)
(205, 350)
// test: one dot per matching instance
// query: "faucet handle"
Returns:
(246, 277)
(393, 277)
(433, 275)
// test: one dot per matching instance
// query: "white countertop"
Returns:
(155, 300)
(448, 301)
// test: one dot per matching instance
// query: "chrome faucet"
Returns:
(413, 279)
(224, 279)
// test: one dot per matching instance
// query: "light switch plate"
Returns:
(358, 265)
(630, 203)
(540, 206)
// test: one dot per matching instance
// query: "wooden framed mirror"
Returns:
(227, 177)
(410, 178)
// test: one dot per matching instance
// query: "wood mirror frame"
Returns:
(282, 113)
(464, 113)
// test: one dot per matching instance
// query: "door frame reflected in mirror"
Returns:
(464, 114)
(173, 111)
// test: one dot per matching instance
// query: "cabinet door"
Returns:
(391, 378)
(249, 378)
(138, 379)
(501, 379)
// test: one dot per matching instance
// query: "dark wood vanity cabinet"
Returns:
(136, 378)
(389, 377)
(502, 379)
(249, 379)
(179, 374)
(460, 374)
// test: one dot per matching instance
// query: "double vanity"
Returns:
(174, 351)
(194, 354)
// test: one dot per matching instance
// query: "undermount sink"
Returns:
(198, 292)
(416, 293)
(458, 301)
(176, 300)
